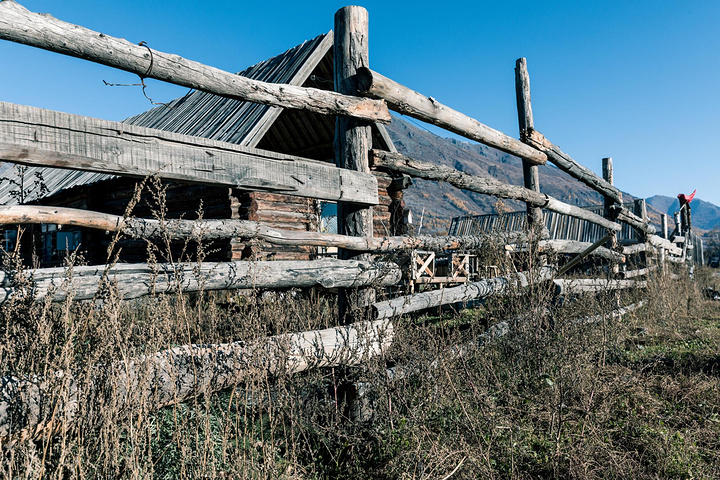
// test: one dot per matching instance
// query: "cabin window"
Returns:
(9, 240)
(56, 242)
(328, 217)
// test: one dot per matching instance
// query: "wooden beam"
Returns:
(579, 258)
(484, 185)
(17, 24)
(565, 163)
(220, 229)
(353, 141)
(408, 102)
(572, 246)
(139, 280)
(625, 215)
(567, 286)
(34, 136)
(31, 405)
(531, 176)
(469, 291)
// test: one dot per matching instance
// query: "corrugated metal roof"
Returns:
(206, 115)
(54, 179)
(197, 113)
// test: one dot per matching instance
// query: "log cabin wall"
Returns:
(114, 195)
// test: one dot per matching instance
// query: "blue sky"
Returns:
(633, 80)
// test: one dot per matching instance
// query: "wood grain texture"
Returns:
(34, 136)
(17, 24)
(31, 405)
(139, 280)
(353, 141)
(531, 175)
(408, 102)
(469, 291)
(567, 286)
(484, 185)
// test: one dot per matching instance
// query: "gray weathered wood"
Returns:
(572, 246)
(640, 211)
(565, 163)
(469, 291)
(567, 286)
(484, 185)
(138, 280)
(17, 24)
(220, 229)
(408, 102)
(531, 175)
(30, 405)
(588, 251)
(664, 223)
(34, 136)
(625, 215)
(660, 242)
(640, 272)
(353, 141)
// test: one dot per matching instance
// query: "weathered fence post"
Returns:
(640, 209)
(525, 121)
(608, 202)
(664, 223)
(353, 141)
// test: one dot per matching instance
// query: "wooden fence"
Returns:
(33, 136)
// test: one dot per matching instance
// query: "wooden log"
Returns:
(639, 272)
(17, 24)
(664, 223)
(484, 185)
(33, 136)
(660, 242)
(221, 229)
(566, 163)
(138, 280)
(640, 211)
(531, 176)
(353, 141)
(568, 286)
(408, 102)
(572, 246)
(634, 249)
(625, 215)
(31, 405)
(446, 296)
(581, 256)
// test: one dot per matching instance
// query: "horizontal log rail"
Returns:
(138, 280)
(573, 246)
(221, 229)
(17, 24)
(31, 405)
(567, 286)
(463, 293)
(34, 136)
(409, 102)
(484, 185)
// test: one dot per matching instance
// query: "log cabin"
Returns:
(300, 133)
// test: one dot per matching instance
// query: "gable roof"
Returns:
(206, 115)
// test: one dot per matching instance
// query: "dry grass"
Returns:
(635, 397)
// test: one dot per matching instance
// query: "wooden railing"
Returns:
(33, 136)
